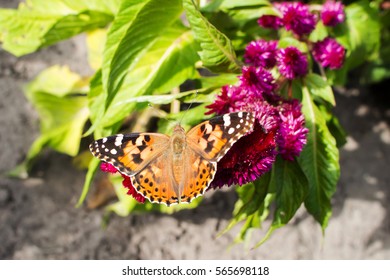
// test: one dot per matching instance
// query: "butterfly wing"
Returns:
(130, 153)
(208, 142)
(213, 138)
(156, 181)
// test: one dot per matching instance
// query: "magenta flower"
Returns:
(107, 167)
(332, 13)
(230, 100)
(329, 53)
(297, 17)
(261, 53)
(292, 132)
(131, 190)
(268, 21)
(249, 158)
(257, 81)
(291, 62)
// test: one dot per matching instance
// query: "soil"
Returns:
(38, 218)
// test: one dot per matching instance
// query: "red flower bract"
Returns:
(249, 158)
(230, 100)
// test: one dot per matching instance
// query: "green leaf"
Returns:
(41, 23)
(360, 34)
(319, 161)
(92, 168)
(290, 41)
(217, 51)
(135, 29)
(319, 88)
(319, 33)
(234, 4)
(291, 189)
(62, 112)
(172, 54)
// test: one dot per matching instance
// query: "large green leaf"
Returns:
(135, 29)
(41, 23)
(319, 161)
(167, 64)
(217, 52)
(319, 88)
(361, 33)
(62, 110)
(291, 187)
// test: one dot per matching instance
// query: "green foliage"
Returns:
(147, 52)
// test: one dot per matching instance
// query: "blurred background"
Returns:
(38, 218)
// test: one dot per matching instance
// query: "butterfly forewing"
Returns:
(130, 153)
(213, 138)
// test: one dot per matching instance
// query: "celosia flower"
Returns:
(329, 53)
(332, 13)
(261, 53)
(107, 167)
(257, 81)
(292, 132)
(230, 100)
(249, 158)
(131, 190)
(291, 62)
(297, 17)
(268, 21)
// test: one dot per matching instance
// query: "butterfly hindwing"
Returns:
(213, 138)
(130, 153)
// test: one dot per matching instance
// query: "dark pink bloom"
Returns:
(249, 158)
(230, 100)
(292, 132)
(261, 53)
(329, 53)
(108, 167)
(292, 63)
(297, 17)
(257, 81)
(332, 13)
(268, 21)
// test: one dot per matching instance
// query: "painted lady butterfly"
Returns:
(174, 169)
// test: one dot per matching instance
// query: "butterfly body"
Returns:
(174, 169)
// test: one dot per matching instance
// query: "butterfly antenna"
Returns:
(189, 107)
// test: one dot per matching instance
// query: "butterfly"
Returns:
(175, 169)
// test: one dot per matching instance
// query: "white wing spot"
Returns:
(226, 120)
(113, 151)
(118, 140)
(240, 114)
(104, 140)
(106, 150)
(238, 126)
(231, 130)
(241, 120)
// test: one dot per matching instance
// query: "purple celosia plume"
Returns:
(297, 17)
(332, 13)
(329, 53)
(261, 53)
(269, 21)
(292, 131)
(257, 81)
(292, 63)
